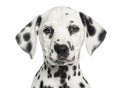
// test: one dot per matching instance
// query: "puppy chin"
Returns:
(60, 62)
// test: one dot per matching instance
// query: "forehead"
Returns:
(61, 15)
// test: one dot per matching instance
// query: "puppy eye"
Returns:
(73, 29)
(47, 30)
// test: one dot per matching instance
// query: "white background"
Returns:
(102, 70)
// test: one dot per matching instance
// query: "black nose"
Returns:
(61, 50)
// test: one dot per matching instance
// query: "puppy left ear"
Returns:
(94, 33)
(27, 37)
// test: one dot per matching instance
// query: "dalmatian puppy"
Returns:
(61, 32)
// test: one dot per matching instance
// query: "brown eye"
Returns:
(73, 29)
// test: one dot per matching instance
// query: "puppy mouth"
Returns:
(62, 60)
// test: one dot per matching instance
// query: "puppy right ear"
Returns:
(27, 37)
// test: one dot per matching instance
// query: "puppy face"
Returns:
(61, 35)
(61, 31)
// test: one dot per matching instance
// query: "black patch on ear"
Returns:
(102, 35)
(83, 17)
(29, 47)
(91, 30)
(38, 22)
(18, 39)
(90, 20)
(22, 29)
(95, 47)
(29, 24)
(88, 23)
(26, 36)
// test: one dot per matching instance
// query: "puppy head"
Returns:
(61, 31)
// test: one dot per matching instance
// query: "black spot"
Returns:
(64, 68)
(49, 73)
(63, 75)
(56, 74)
(70, 64)
(87, 34)
(38, 77)
(65, 85)
(73, 29)
(45, 86)
(82, 85)
(85, 80)
(33, 87)
(18, 39)
(66, 14)
(70, 46)
(62, 81)
(37, 73)
(26, 36)
(52, 51)
(45, 56)
(71, 21)
(79, 73)
(58, 39)
(45, 66)
(102, 35)
(74, 67)
(29, 47)
(52, 66)
(49, 76)
(73, 57)
(49, 70)
(41, 84)
(38, 22)
(50, 54)
(69, 77)
(60, 86)
(91, 29)
(49, 86)
(74, 73)
(79, 66)
(29, 24)
(41, 68)
(37, 32)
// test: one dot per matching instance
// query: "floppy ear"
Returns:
(27, 37)
(94, 33)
